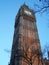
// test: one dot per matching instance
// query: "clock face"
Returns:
(27, 12)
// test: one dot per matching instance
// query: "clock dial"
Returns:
(27, 12)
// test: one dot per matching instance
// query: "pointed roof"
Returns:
(24, 5)
(27, 7)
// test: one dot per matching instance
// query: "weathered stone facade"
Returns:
(26, 48)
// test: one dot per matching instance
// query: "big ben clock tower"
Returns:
(26, 48)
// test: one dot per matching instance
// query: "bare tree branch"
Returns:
(43, 8)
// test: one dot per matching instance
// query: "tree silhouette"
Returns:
(29, 55)
(43, 6)
(46, 49)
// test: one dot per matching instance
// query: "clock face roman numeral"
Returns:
(27, 12)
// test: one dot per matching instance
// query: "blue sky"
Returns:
(8, 11)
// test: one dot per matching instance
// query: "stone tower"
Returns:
(26, 48)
